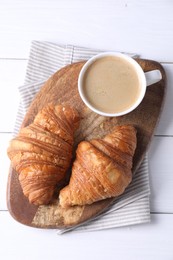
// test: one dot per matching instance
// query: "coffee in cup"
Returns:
(113, 84)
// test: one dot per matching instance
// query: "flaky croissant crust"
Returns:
(102, 168)
(42, 151)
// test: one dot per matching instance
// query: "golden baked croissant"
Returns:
(42, 151)
(102, 168)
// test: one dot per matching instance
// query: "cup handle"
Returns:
(152, 77)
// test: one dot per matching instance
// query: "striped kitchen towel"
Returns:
(132, 207)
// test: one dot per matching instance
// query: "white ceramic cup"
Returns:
(146, 79)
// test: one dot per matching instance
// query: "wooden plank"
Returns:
(12, 73)
(161, 174)
(147, 241)
(59, 22)
(165, 126)
(17, 70)
(62, 87)
(142, 26)
(5, 163)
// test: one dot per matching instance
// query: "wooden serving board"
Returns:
(62, 88)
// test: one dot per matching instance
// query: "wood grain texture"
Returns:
(59, 22)
(9, 85)
(62, 88)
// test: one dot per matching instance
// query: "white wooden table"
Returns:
(143, 27)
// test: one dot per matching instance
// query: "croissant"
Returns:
(102, 168)
(42, 152)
